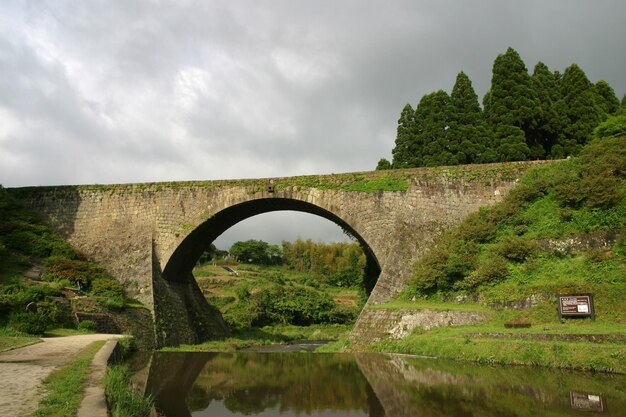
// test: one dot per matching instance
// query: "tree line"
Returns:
(546, 115)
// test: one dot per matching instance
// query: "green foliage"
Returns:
(372, 185)
(614, 126)
(468, 137)
(405, 153)
(123, 401)
(88, 325)
(110, 288)
(383, 164)
(338, 264)
(580, 195)
(597, 179)
(515, 248)
(546, 115)
(29, 323)
(580, 109)
(279, 304)
(256, 252)
(512, 102)
(607, 98)
(542, 137)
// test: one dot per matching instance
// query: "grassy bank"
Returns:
(123, 401)
(10, 339)
(65, 386)
(268, 335)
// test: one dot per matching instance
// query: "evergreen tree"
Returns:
(467, 132)
(545, 135)
(608, 100)
(579, 109)
(511, 143)
(432, 121)
(406, 151)
(512, 99)
(383, 164)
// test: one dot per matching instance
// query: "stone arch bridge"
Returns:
(149, 236)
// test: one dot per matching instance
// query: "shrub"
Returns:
(490, 269)
(89, 325)
(428, 272)
(614, 126)
(31, 323)
(476, 227)
(113, 303)
(516, 248)
(110, 288)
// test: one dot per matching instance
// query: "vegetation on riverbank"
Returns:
(122, 399)
(65, 386)
(268, 335)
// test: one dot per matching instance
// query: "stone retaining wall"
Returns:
(375, 325)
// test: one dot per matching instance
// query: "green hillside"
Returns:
(561, 230)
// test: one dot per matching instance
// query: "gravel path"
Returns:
(22, 370)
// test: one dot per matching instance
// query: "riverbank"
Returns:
(533, 337)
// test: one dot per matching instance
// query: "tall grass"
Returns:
(123, 401)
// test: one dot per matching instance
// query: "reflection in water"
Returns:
(373, 385)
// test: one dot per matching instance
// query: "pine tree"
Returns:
(546, 132)
(608, 100)
(512, 103)
(467, 132)
(511, 99)
(579, 110)
(432, 122)
(404, 153)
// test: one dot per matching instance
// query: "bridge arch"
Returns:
(178, 268)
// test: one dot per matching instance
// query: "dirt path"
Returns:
(22, 370)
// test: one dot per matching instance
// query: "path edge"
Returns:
(94, 402)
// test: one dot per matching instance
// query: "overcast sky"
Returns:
(116, 91)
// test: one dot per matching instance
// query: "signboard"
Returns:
(586, 402)
(576, 305)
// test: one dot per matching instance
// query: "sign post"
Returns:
(576, 305)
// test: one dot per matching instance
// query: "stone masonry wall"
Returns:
(133, 229)
(376, 325)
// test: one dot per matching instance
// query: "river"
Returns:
(272, 384)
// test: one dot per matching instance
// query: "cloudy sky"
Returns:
(116, 91)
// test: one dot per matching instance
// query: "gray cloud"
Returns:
(131, 91)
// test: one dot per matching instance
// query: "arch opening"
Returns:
(180, 265)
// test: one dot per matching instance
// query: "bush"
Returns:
(89, 325)
(31, 323)
(110, 288)
(113, 303)
(476, 227)
(614, 126)
(490, 269)
(516, 248)
(283, 305)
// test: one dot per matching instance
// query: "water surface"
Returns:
(271, 384)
